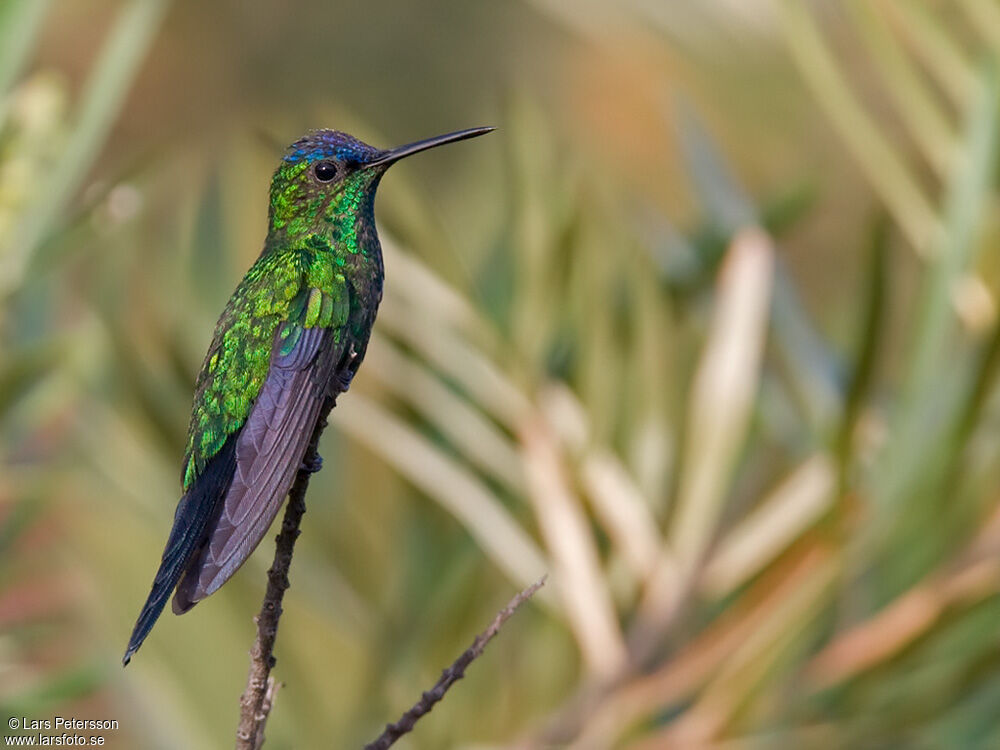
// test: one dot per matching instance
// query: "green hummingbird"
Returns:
(288, 342)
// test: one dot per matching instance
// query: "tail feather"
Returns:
(193, 520)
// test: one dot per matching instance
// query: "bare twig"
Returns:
(452, 674)
(257, 699)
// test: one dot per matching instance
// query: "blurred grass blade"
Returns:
(965, 202)
(448, 483)
(723, 391)
(721, 403)
(815, 368)
(882, 637)
(881, 163)
(624, 512)
(16, 517)
(725, 202)
(914, 99)
(984, 17)
(485, 383)
(55, 690)
(742, 675)
(920, 455)
(419, 285)
(701, 659)
(576, 566)
(871, 331)
(772, 527)
(23, 369)
(977, 400)
(600, 361)
(537, 181)
(125, 463)
(101, 100)
(943, 56)
(466, 428)
(20, 22)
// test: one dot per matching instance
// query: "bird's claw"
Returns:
(313, 463)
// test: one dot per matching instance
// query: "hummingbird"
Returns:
(290, 339)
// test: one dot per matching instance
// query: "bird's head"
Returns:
(327, 179)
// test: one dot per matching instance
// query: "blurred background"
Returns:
(707, 331)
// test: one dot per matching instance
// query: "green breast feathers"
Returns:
(283, 293)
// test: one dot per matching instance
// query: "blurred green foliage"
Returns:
(707, 331)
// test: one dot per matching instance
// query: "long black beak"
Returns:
(401, 152)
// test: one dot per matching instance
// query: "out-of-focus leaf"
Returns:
(870, 334)
(938, 50)
(930, 396)
(23, 369)
(814, 367)
(54, 691)
(780, 213)
(724, 202)
(743, 674)
(448, 483)
(772, 527)
(469, 431)
(704, 657)
(101, 100)
(920, 112)
(966, 199)
(475, 373)
(624, 513)
(17, 517)
(20, 22)
(721, 403)
(570, 541)
(876, 156)
(984, 16)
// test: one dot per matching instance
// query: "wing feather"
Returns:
(268, 453)
(192, 519)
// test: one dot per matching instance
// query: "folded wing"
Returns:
(267, 454)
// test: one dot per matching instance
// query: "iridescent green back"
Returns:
(284, 292)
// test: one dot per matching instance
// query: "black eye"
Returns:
(325, 171)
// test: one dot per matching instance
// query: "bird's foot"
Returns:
(344, 380)
(313, 463)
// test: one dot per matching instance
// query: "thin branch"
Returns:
(452, 674)
(257, 699)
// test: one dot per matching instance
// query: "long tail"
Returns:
(192, 523)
